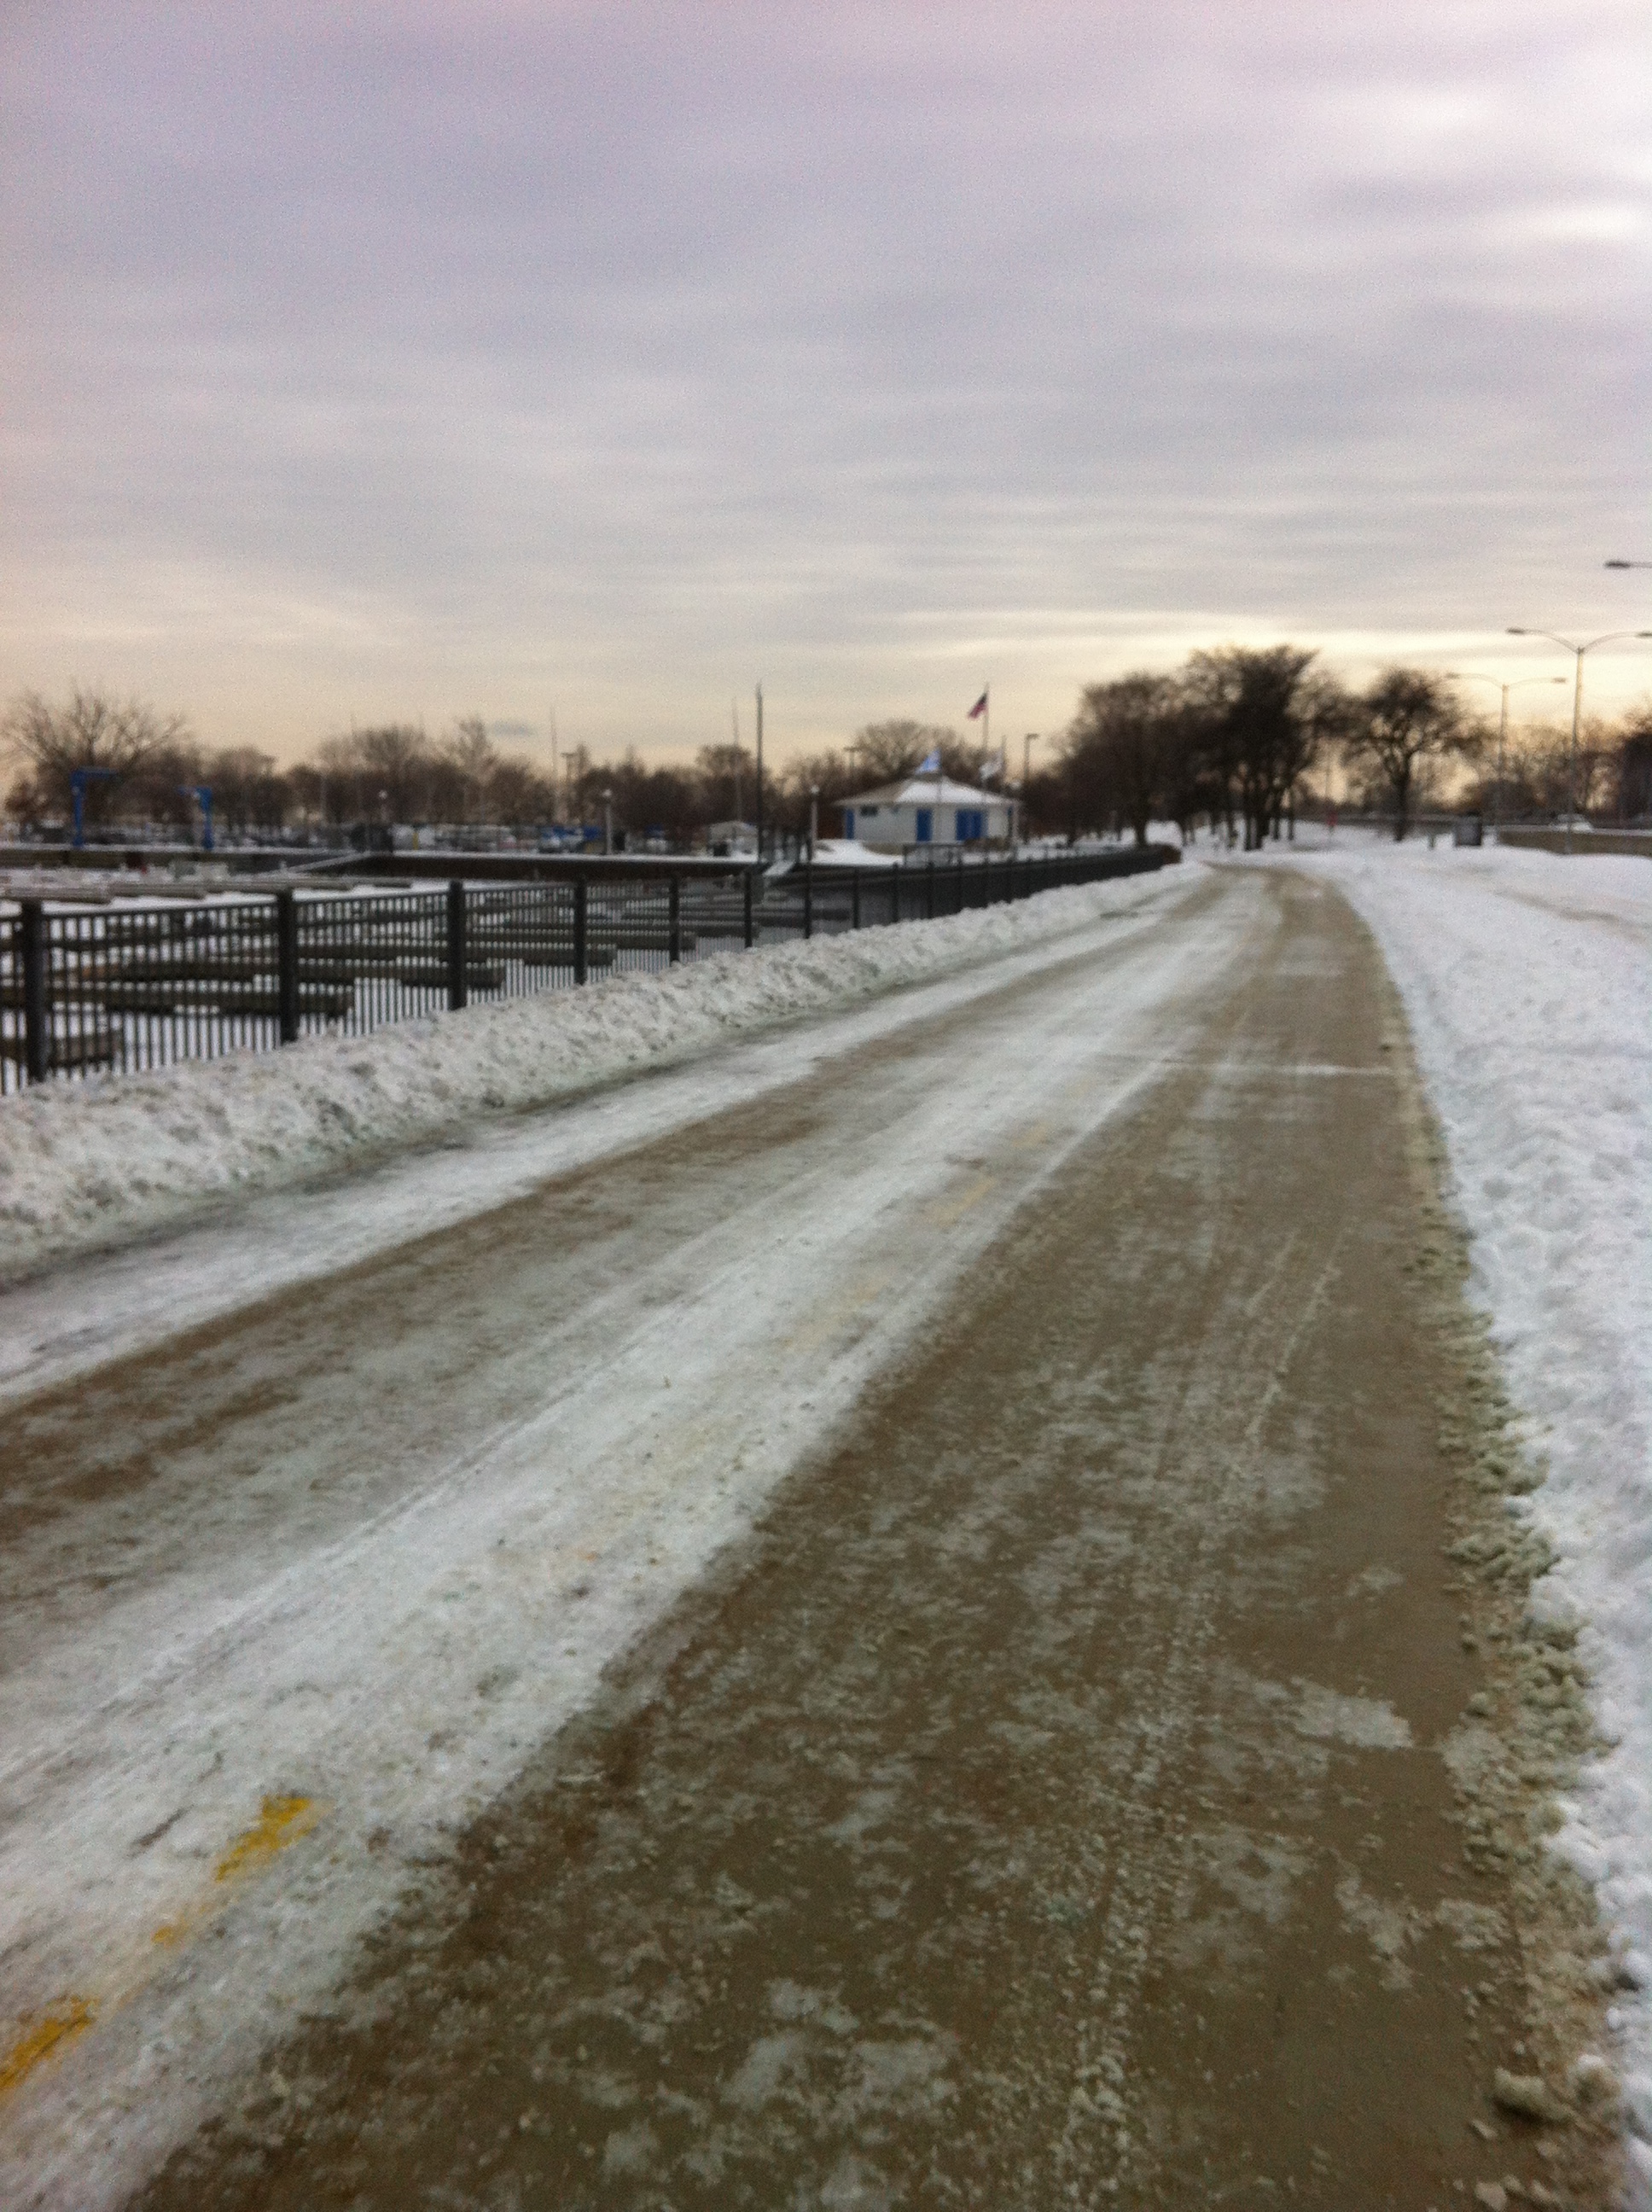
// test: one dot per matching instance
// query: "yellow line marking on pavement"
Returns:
(281, 1821)
(72, 2017)
(946, 1212)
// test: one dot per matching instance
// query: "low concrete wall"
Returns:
(1583, 841)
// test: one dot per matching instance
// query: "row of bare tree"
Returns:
(1235, 737)
(1238, 738)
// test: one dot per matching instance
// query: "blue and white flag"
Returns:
(930, 765)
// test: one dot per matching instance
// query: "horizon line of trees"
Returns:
(1237, 737)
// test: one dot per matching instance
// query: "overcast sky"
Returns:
(400, 361)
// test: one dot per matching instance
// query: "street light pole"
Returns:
(1611, 637)
(1471, 676)
(1027, 745)
(607, 823)
(760, 775)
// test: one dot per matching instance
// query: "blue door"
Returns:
(926, 824)
(848, 821)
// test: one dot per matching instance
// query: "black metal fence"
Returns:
(136, 986)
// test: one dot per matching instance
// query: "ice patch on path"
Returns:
(1368, 1724)
(94, 1164)
(1526, 979)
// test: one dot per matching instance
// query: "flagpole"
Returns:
(986, 752)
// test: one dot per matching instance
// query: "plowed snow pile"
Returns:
(94, 1164)
(1528, 981)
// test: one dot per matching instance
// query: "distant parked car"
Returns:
(1573, 822)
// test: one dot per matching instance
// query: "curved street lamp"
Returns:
(1469, 676)
(1610, 637)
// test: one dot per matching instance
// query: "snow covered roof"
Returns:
(850, 852)
(924, 791)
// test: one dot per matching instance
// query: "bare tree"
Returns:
(393, 765)
(471, 752)
(247, 792)
(1408, 720)
(886, 751)
(728, 780)
(1122, 746)
(1632, 767)
(93, 731)
(1263, 718)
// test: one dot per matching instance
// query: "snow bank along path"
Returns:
(218, 1773)
(1528, 981)
(90, 1164)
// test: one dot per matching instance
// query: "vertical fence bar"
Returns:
(929, 890)
(581, 922)
(751, 927)
(855, 898)
(674, 919)
(808, 899)
(287, 967)
(457, 917)
(37, 1012)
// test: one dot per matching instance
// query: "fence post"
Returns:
(287, 967)
(674, 925)
(808, 899)
(581, 916)
(929, 890)
(750, 930)
(456, 917)
(855, 898)
(37, 1013)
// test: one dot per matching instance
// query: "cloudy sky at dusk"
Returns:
(403, 360)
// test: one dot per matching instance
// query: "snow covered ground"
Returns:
(1528, 981)
(93, 1164)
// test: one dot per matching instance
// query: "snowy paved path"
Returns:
(366, 1543)
(1057, 1290)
